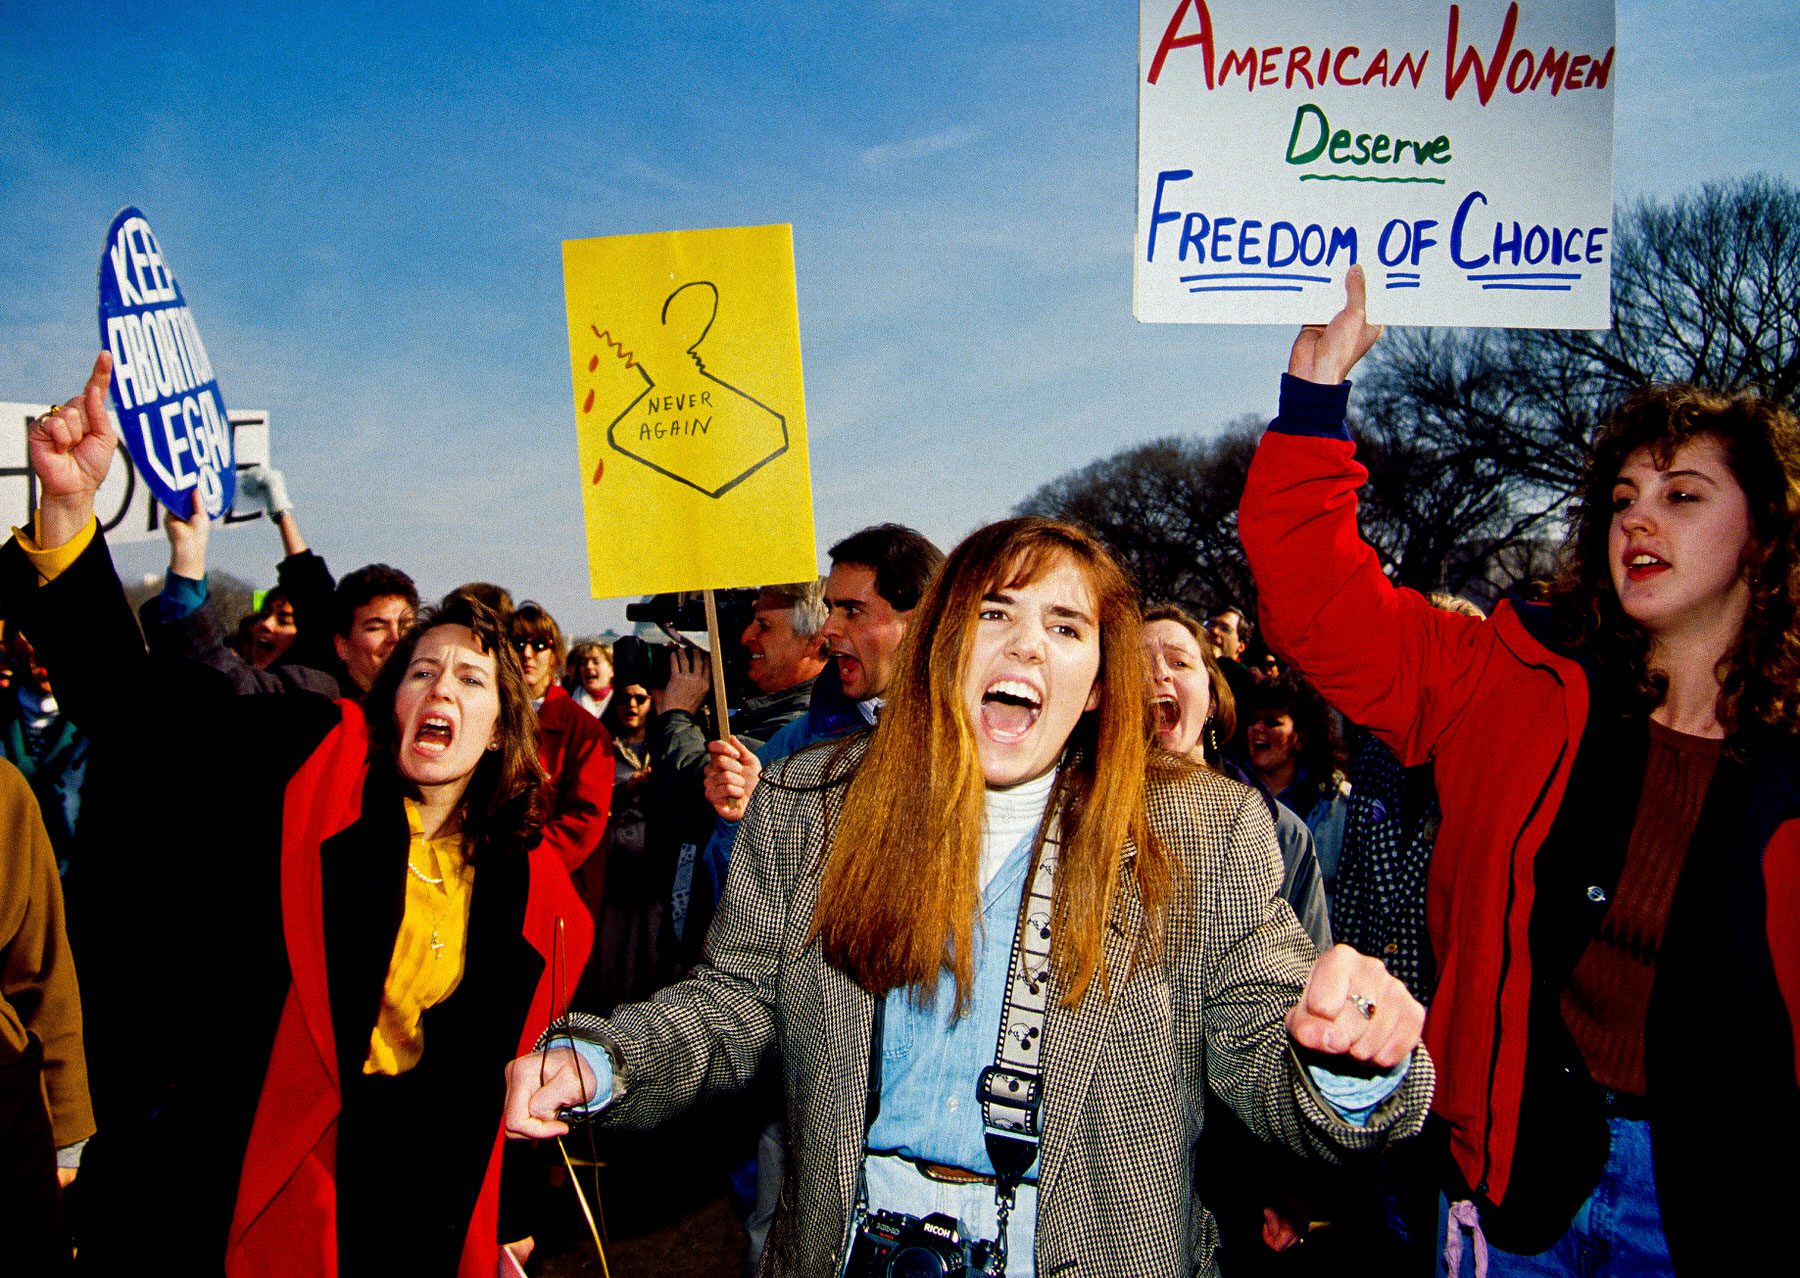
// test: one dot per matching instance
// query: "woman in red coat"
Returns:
(575, 748)
(1615, 881)
(344, 1009)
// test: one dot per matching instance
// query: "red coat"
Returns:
(1501, 715)
(576, 750)
(284, 1221)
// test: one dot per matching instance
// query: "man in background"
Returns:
(786, 655)
(335, 634)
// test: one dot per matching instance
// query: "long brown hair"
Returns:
(503, 808)
(1760, 676)
(900, 896)
(1223, 715)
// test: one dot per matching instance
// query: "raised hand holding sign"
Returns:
(1325, 353)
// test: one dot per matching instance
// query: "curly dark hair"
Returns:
(503, 808)
(1760, 676)
(1321, 745)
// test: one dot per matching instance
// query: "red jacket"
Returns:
(576, 750)
(284, 1221)
(1500, 714)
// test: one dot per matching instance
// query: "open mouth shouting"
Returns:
(433, 736)
(1033, 662)
(1009, 709)
(446, 708)
(1180, 693)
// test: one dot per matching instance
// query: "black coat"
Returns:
(186, 968)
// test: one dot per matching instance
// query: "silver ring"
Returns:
(1361, 1004)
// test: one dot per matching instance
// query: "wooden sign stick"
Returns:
(721, 716)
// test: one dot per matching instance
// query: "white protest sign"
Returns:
(167, 400)
(125, 507)
(1461, 153)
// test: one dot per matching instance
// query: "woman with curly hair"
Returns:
(366, 925)
(1616, 877)
(575, 749)
(1293, 743)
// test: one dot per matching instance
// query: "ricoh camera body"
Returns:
(890, 1244)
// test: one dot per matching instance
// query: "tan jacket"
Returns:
(38, 993)
(1127, 1073)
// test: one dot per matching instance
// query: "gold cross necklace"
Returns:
(437, 944)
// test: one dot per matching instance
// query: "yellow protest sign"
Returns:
(684, 348)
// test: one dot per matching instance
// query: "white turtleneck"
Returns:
(1012, 815)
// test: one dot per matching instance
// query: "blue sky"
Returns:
(365, 206)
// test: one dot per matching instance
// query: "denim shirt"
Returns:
(929, 1062)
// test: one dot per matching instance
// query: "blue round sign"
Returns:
(163, 388)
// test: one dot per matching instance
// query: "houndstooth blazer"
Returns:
(1127, 1072)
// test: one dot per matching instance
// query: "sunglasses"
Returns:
(520, 646)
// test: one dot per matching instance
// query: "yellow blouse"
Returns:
(428, 954)
(51, 561)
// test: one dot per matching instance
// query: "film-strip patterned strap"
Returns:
(1011, 1089)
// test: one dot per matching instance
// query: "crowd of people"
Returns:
(1030, 925)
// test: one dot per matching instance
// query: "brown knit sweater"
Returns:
(1608, 997)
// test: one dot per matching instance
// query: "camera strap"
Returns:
(1011, 1090)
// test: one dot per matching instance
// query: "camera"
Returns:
(641, 661)
(892, 1245)
(646, 661)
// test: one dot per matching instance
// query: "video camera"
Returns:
(646, 661)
